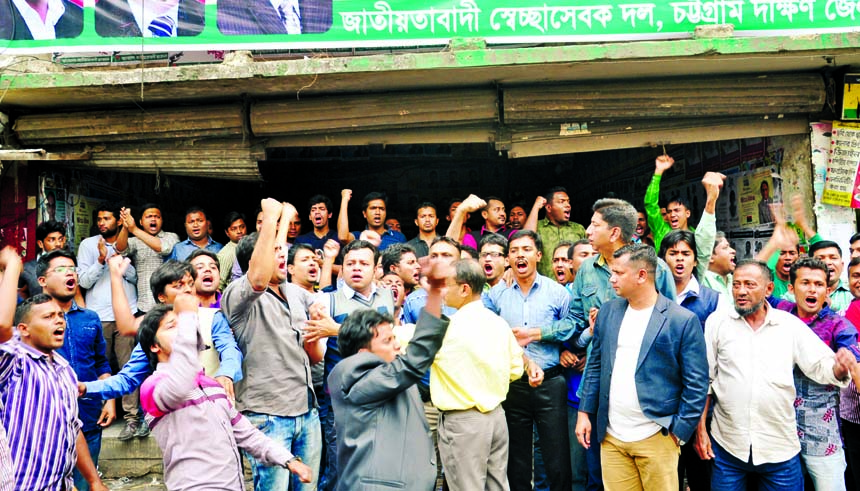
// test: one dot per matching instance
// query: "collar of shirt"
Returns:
(39, 29)
(692, 289)
(188, 241)
(38, 355)
(217, 303)
(841, 286)
(349, 292)
(536, 285)
(144, 17)
(75, 306)
(501, 231)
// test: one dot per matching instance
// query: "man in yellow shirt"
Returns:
(468, 382)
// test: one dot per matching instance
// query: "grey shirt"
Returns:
(268, 330)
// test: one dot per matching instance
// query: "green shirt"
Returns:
(705, 234)
(551, 235)
(716, 282)
(780, 286)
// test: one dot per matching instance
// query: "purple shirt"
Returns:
(816, 405)
(39, 409)
(198, 429)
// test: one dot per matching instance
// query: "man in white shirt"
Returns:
(752, 352)
(646, 378)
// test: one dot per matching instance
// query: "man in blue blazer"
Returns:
(238, 17)
(646, 379)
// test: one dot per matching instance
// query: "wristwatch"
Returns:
(294, 459)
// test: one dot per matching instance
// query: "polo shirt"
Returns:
(389, 237)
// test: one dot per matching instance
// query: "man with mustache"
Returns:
(402, 260)
(83, 347)
(235, 228)
(740, 343)
(147, 247)
(94, 275)
(267, 314)
(719, 274)
(197, 228)
(555, 227)
(320, 214)
(426, 220)
(44, 445)
(374, 211)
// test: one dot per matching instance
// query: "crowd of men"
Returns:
(532, 353)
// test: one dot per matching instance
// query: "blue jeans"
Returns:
(94, 443)
(328, 471)
(540, 480)
(578, 466)
(731, 473)
(301, 436)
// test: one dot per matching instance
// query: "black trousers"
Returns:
(851, 438)
(544, 406)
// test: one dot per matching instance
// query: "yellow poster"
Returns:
(755, 195)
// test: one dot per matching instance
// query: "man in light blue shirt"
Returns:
(531, 302)
(197, 228)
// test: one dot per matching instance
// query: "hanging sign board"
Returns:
(172, 25)
(841, 180)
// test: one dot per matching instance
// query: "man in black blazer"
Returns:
(13, 26)
(237, 17)
(115, 19)
(383, 440)
(646, 378)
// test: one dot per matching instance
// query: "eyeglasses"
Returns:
(65, 269)
(493, 254)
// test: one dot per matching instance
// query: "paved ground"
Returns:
(149, 482)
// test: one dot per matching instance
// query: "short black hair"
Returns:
(562, 243)
(149, 206)
(295, 248)
(22, 312)
(823, 244)
(148, 329)
(112, 208)
(854, 262)
(527, 233)
(470, 250)
(232, 217)
(361, 244)
(320, 198)
(167, 273)
(640, 253)
(491, 198)
(447, 240)
(48, 227)
(195, 209)
(680, 200)
(204, 252)
(425, 204)
(493, 238)
(854, 238)
(373, 195)
(44, 262)
(394, 253)
(673, 238)
(358, 330)
(245, 248)
(808, 263)
(572, 250)
(551, 193)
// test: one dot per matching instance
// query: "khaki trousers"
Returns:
(474, 449)
(645, 465)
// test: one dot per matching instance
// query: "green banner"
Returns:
(173, 25)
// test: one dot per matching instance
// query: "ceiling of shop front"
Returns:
(123, 88)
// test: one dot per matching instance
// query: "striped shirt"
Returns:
(6, 473)
(39, 409)
(146, 261)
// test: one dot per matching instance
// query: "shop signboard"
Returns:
(105, 26)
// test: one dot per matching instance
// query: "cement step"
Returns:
(132, 458)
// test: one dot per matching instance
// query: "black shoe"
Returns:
(127, 433)
(142, 429)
